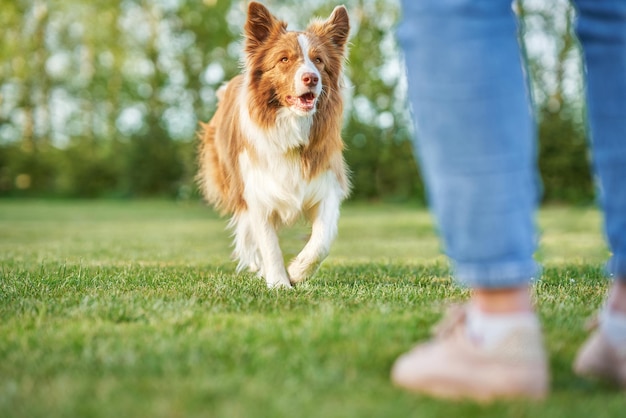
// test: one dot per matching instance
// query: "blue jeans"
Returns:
(476, 137)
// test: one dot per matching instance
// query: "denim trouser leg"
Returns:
(601, 29)
(475, 135)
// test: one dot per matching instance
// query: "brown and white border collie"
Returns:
(272, 152)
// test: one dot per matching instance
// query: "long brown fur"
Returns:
(221, 142)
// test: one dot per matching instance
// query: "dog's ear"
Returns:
(260, 24)
(336, 27)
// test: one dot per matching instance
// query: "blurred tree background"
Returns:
(102, 98)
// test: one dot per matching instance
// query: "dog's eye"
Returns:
(318, 60)
(284, 59)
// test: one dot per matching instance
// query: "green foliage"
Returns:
(28, 173)
(107, 102)
(381, 162)
(113, 309)
(103, 98)
(564, 158)
(89, 171)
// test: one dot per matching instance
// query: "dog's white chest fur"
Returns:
(273, 176)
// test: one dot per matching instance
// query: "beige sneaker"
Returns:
(599, 358)
(452, 366)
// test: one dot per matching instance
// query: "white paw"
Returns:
(278, 284)
(299, 270)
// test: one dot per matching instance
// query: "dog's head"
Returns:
(294, 70)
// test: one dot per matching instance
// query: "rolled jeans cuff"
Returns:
(500, 275)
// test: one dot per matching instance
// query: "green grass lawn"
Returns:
(133, 309)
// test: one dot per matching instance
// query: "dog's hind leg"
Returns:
(323, 232)
(246, 252)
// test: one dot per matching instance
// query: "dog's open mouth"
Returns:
(305, 102)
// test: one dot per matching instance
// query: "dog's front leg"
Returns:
(266, 238)
(323, 232)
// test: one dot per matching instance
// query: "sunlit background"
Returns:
(102, 98)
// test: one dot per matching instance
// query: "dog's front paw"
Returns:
(300, 270)
(278, 284)
(277, 280)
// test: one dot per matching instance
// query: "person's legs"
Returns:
(475, 138)
(601, 29)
